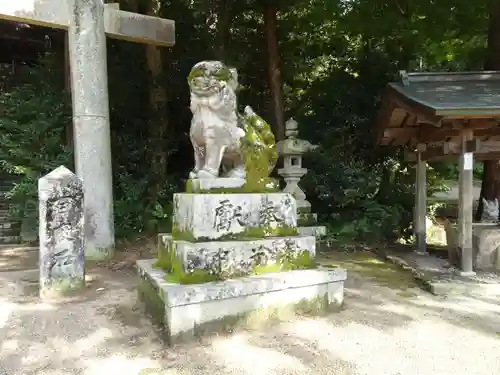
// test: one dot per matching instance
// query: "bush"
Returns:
(35, 113)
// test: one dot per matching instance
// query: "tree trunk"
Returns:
(158, 119)
(275, 84)
(490, 186)
(223, 30)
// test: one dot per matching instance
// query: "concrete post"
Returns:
(91, 129)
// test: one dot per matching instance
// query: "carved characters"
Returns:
(63, 219)
(61, 231)
(268, 213)
(287, 210)
(281, 213)
(227, 262)
(225, 214)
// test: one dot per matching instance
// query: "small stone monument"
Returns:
(61, 232)
(292, 150)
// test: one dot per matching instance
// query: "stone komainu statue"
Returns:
(241, 146)
(490, 211)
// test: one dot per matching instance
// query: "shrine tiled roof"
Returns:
(452, 94)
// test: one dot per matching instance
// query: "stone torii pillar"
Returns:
(88, 22)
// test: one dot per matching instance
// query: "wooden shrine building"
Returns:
(444, 116)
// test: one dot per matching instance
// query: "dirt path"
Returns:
(388, 327)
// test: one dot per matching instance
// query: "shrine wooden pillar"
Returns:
(465, 204)
(420, 213)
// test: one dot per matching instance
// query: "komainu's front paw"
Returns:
(238, 172)
(204, 173)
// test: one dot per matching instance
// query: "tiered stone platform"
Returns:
(186, 311)
(234, 258)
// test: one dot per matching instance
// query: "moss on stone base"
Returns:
(99, 254)
(265, 185)
(258, 318)
(155, 306)
(165, 254)
(263, 317)
(250, 233)
(173, 267)
(63, 287)
(183, 235)
(195, 277)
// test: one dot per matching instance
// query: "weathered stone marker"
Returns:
(88, 22)
(61, 231)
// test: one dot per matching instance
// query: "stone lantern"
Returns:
(292, 149)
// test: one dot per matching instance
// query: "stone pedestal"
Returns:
(62, 265)
(184, 311)
(317, 231)
(207, 185)
(307, 222)
(222, 235)
(199, 217)
(232, 259)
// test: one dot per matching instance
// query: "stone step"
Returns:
(7, 183)
(198, 217)
(6, 240)
(317, 231)
(6, 223)
(234, 257)
(8, 227)
(4, 213)
(7, 219)
(4, 205)
(10, 232)
(206, 309)
(17, 248)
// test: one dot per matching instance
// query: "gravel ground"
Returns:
(381, 331)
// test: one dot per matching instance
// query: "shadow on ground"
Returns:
(387, 326)
(18, 258)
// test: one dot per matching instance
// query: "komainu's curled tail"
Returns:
(258, 146)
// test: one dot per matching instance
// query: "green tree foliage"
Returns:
(35, 111)
(336, 56)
